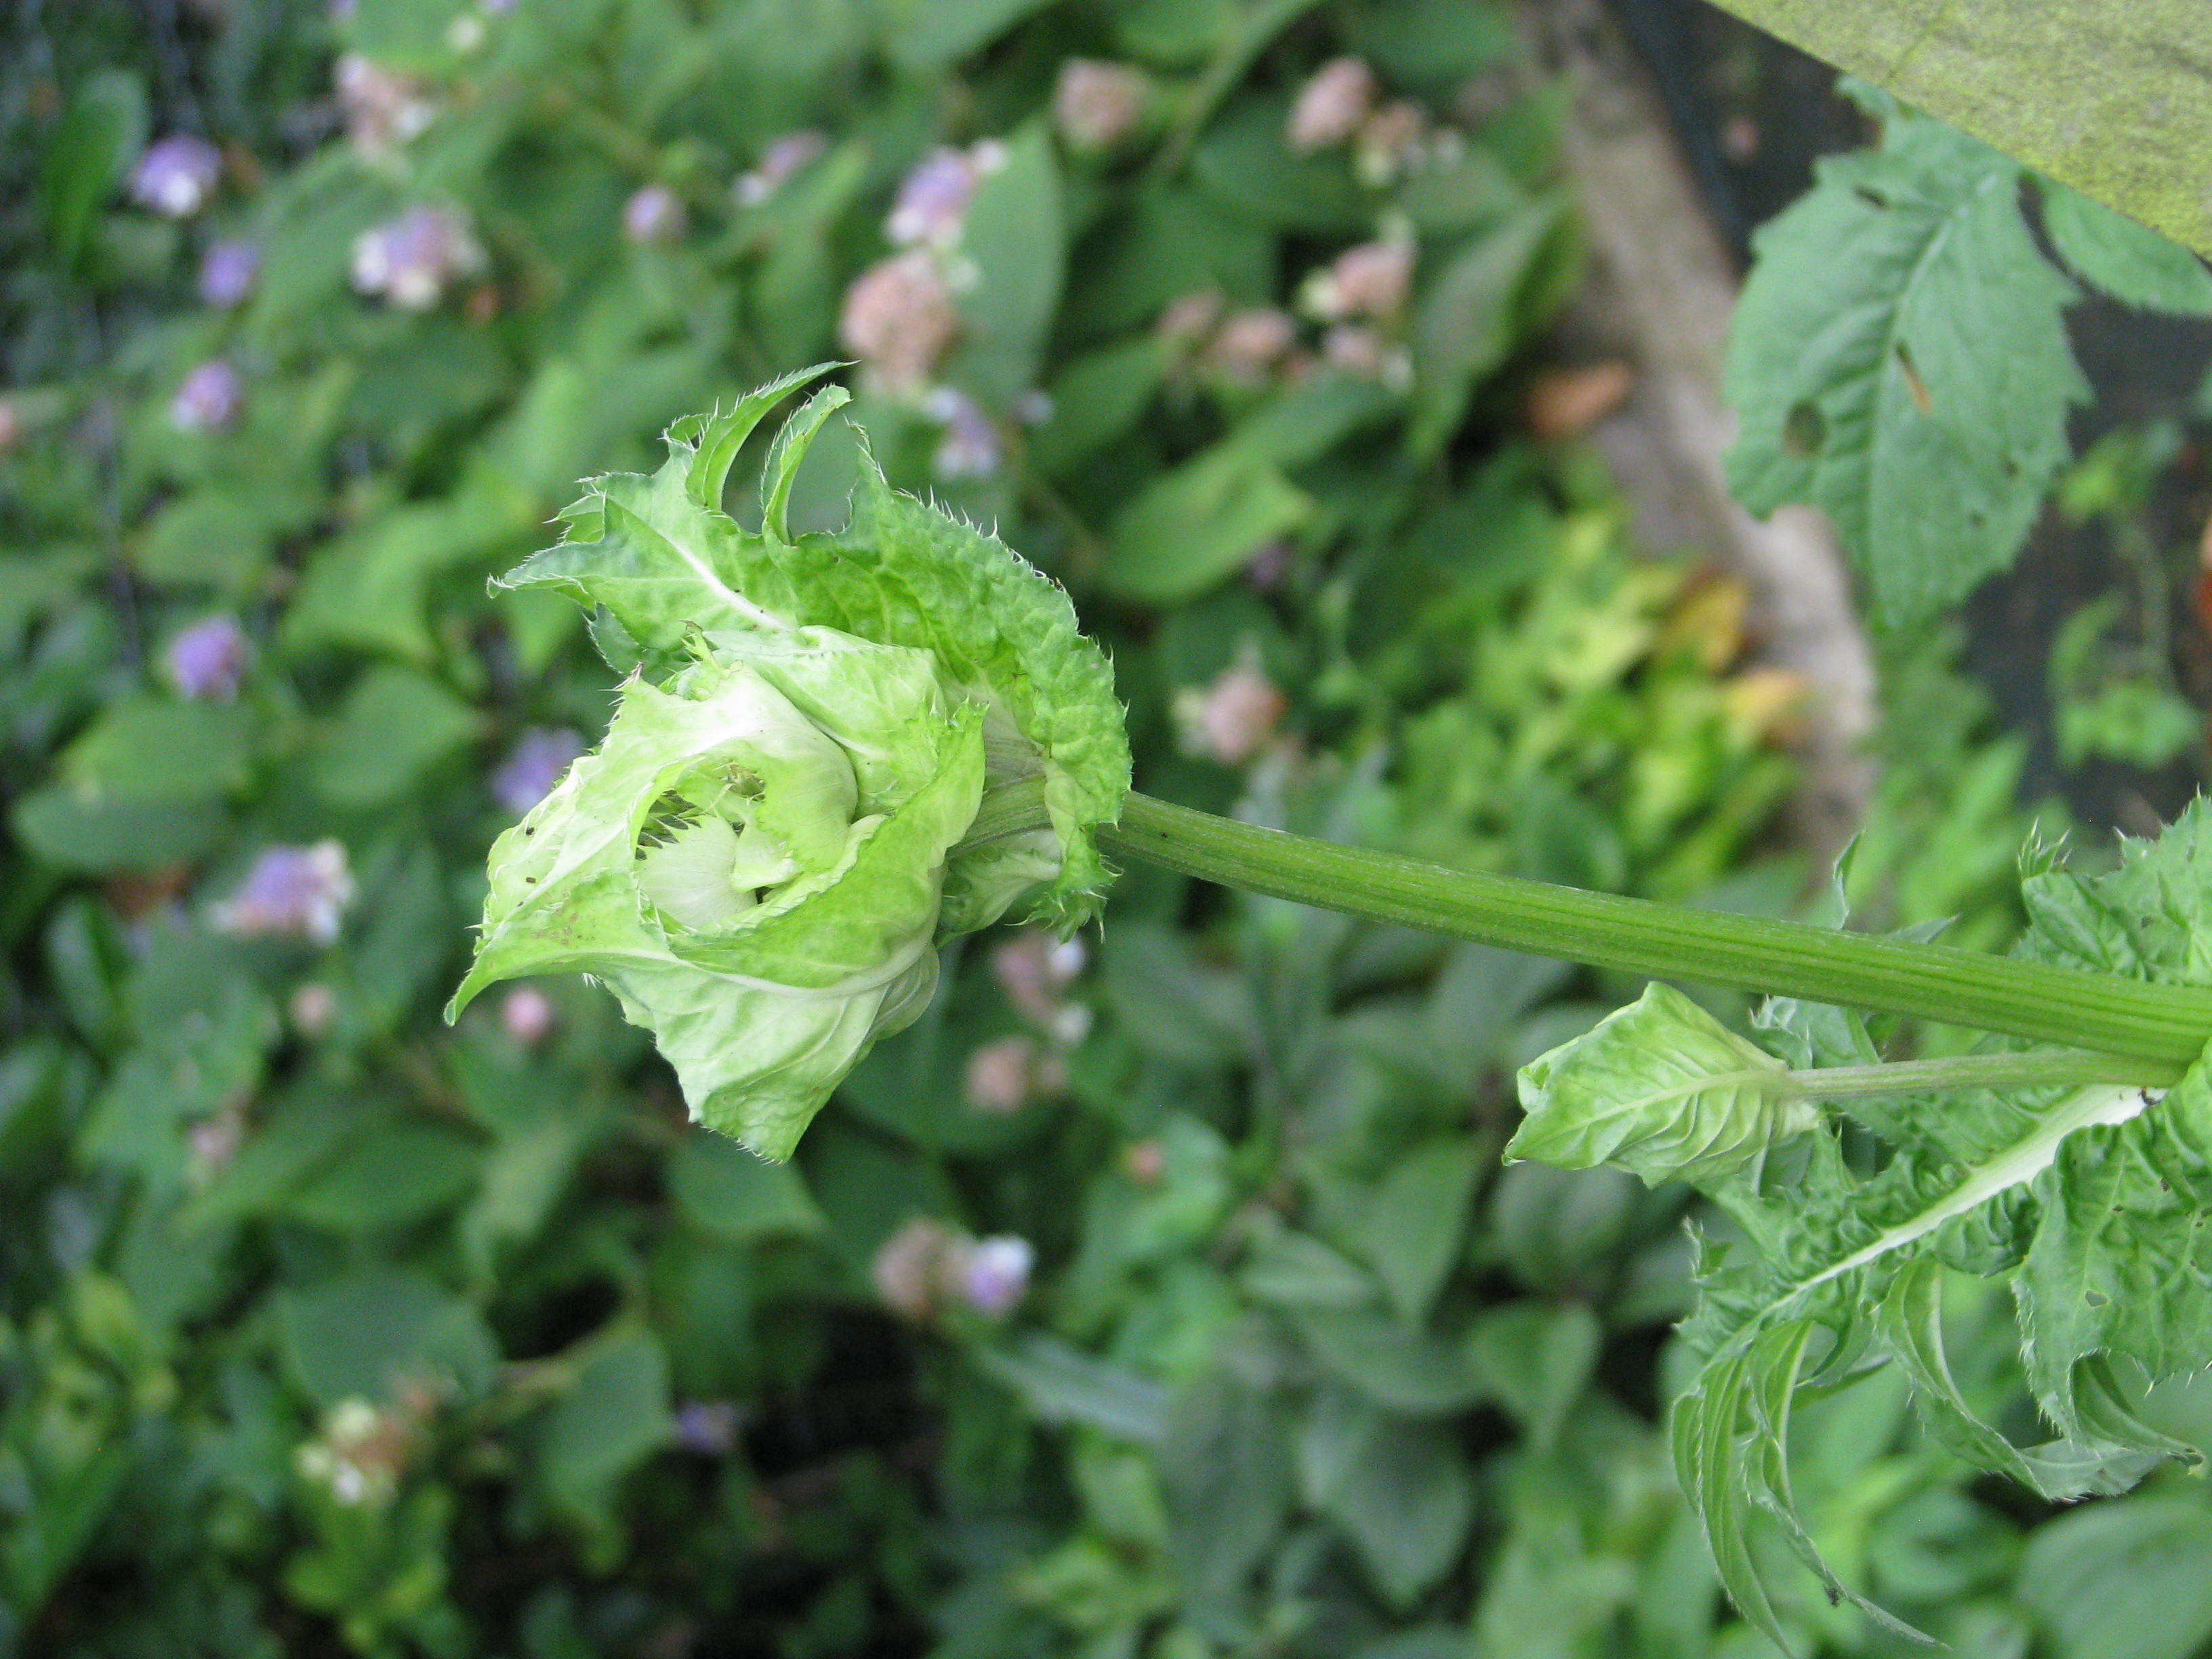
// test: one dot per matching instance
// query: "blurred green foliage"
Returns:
(1159, 1294)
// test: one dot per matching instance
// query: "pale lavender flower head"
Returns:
(176, 176)
(1005, 1074)
(411, 259)
(708, 1427)
(208, 660)
(1095, 104)
(383, 108)
(209, 398)
(1232, 719)
(227, 273)
(994, 1274)
(932, 198)
(1249, 343)
(910, 1266)
(1331, 105)
(783, 158)
(654, 214)
(969, 447)
(298, 892)
(535, 765)
(313, 1006)
(1371, 280)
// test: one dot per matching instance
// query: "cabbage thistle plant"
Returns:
(833, 751)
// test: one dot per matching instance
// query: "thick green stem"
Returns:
(2060, 1067)
(2110, 1015)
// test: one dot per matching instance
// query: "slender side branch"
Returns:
(2064, 1067)
(2102, 1013)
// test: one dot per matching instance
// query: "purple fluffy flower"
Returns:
(654, 214)
(995, 1275)
(208, 660)
(708, 1427)
(411, 259)
(176, 176)
(932, 198)
(969, 447)
(527, 776)
(228, 272)
(298, 892)
(209, 398)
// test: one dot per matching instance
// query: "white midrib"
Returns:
(728, 595)
(2102, 1102)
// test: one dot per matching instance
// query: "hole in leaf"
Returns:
(1804, 430)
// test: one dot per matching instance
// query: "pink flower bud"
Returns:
(313, 1008)
(1229, 720)
(1371, 280)
(1390, 142)
(898, 319)
(908, 1267)
(1185, 318)
(1144, 1162)
(1095, 104)
(526, 1014)
(1033, 969)
(1249, 343)
(1331, 105)
(1004, 1075)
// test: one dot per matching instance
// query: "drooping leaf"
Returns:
(1660, 1088)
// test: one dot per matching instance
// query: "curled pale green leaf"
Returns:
(1660, 1088)
(661, 561)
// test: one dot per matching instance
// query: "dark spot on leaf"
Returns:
(1804, 430)
(1870, 195)
(2096, 1299)
(1913, 384)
